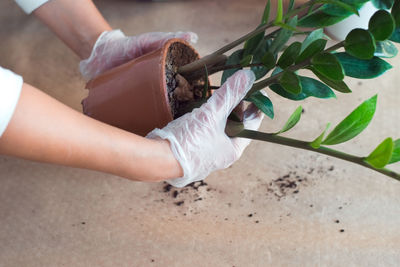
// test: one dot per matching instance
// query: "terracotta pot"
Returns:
(134, 96)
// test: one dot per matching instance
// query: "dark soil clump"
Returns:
(181, 92)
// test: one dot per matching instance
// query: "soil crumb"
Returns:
(286, 185)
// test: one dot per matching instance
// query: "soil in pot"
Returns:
(183, 94)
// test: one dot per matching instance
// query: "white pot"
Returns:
(340, 30)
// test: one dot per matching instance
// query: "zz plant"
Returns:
(275, 61)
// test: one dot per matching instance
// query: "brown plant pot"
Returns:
(134, 96)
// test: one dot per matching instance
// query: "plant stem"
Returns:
(273, 79)
(187, 69)
(305, 145)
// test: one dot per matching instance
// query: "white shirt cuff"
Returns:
(10, 90)
(30, 5)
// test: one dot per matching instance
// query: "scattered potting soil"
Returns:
(287, 184)
(181, 92)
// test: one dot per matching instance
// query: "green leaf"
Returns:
(268, 60)
(286, 26)
(279, 12)
(290, 82)
(290, 6)
(289, 55)
(310, 87)
(282, 37)
(313, 36)
(382, 4)
(246, 60)
(340, 86)
(266, 13)
(362, 69)
(328, 65)
(335, 10)
(258, 57)
(395, 36)
(396, 13)
(251, 45)
(292, 121)
(360, 43)
(314, 48)
(340, 4)
(381, 25)
(396, 152)
(380, 157)
(353, 124)
(319, 19)
(233, 59)
(317, 142)
(263, 103)
(385, 49)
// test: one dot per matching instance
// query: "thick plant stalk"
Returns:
(272, 138)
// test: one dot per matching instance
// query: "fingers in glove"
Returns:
(154, 40)
(226, 98)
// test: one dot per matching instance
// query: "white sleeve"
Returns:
(10, 89)
(29, 5)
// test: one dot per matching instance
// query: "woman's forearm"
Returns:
(78, 23)
(43, 129)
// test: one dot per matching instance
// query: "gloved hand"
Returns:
(198, 139)
(113, 48)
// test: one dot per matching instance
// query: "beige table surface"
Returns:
(243, 216)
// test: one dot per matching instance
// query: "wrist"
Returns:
(170, 167)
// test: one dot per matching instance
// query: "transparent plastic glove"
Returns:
(113, 48)
(198, 139)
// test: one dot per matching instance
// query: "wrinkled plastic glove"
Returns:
(198, 139)
(113, 48)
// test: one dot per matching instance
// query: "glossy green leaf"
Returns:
(290, 82)
(310, 87)
(385, 49)
(251, 45)
(312, 49)
(289, 55)
(380, 157)
(268, 60)
(279, 11)
(340, 86)
(362, 69)
(246, 60)
(286, 26)
(339, 11)
(396, 13)
(360, 43)
(259, 56)
(313, 36)
(263, 103)
(328, 65)
(395, 36)
(290, 6)
(340, 4)
(382, 4)
(319, 19)
(266, 13)
(381, 25)
(233, 59)
(353, 124)
(396, 152)
(282, 37)
(317, 142)
(292, 121)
